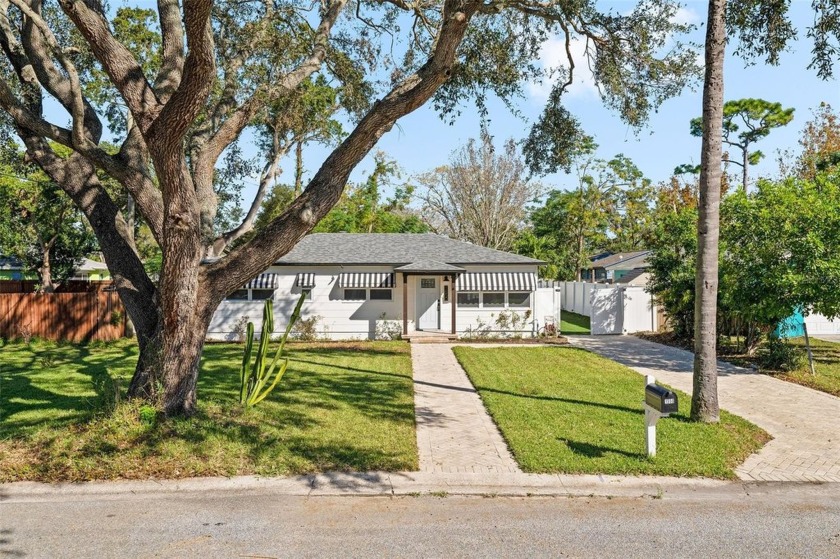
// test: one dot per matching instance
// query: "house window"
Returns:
(355, 294)
(238, 295)
(445, 293)
(519, 299)
(493, 299)
(380, 294)
(466, 299)
(261, 294)
(307, 292)
(427, 283)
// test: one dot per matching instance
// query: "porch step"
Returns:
(430, 339)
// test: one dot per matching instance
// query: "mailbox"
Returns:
(660, 399)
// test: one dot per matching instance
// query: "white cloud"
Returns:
(686, 16)
(553, 56)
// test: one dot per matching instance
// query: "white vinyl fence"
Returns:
(611, 309)
(818, 324)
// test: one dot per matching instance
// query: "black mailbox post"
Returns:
(660, 399)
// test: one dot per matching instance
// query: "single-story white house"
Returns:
(363, 286)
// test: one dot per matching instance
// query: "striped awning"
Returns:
(305, 280)
(263, 281)
(496, 281)
(366, 279)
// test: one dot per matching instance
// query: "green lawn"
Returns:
(339, 407)
(826, 363)
(565, 410)
(573, 323)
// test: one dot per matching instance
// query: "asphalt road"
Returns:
(770, 521)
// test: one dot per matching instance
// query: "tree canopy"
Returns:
(745, 122)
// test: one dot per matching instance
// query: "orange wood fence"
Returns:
(76, 317)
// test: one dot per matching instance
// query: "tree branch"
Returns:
(76, 103)
(281, 235)
(189, 99)
(172, 57)
(59, 86)
(118, 62)
(78, 179)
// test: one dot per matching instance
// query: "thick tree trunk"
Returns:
(704, 400)
(130, 212)
(46, 272)
(167, 370)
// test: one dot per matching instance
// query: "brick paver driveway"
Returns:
(805, 423)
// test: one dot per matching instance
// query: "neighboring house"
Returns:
(89, 270)
(12, 269)
(360, 285)
(638, 277)
(609, 267)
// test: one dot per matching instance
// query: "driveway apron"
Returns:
(804, 423)
(454, 431)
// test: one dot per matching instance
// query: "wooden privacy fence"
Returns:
(76, 317)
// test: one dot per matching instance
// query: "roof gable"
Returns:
(621, 260)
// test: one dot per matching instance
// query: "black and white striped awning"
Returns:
(305, 280)
(497, 281)
(366, 279)
(263, 281)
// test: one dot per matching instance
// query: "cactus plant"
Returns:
(254, 378)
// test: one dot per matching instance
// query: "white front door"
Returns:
(428, 303)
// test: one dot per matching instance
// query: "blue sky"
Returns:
(422, 141)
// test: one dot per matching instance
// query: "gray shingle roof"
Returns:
(620, 260)
(10, 263)
(394, 249)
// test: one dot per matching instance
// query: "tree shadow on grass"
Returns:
(294, 430)
(596, 451)
(324, 384)
(558, 399)
(26, 386)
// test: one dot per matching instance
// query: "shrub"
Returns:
(780, 356)
(307, 329)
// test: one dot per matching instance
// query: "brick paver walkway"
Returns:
(454, 432)
(805, 423)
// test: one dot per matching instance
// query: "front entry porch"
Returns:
(428, 289)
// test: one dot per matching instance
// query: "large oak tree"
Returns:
(222, 67)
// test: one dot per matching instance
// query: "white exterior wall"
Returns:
(818, 324)
(341, 319)
(469, 320)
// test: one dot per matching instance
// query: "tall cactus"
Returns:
(254, 378)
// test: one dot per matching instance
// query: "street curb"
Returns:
(387, 484)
